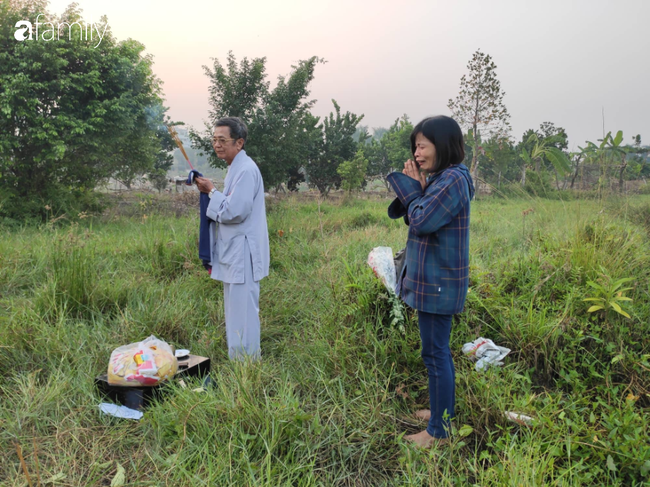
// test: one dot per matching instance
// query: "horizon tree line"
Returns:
(75, 116)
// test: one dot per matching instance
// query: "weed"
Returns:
(341, 371)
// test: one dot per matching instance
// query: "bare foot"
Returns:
(423, 414)
(425, 440)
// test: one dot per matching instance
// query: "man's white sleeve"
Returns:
(236, 206)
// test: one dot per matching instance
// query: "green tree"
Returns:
(543, 148)
(362, 135)
(479, 105)
(391, 151)
(638, 165)
(279, 126)
(617, 151)
(333, 146)
(397, 142)
(165, 157)
(238, 90)
(378, 132)
(72, 114)
(610, 153)
(378, 166)
(353, 172)
(551, 136)
(590, 154)
(500, 156)
(468, 140)
(547, 130)
(576, 159)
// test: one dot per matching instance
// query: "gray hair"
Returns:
(238, 129)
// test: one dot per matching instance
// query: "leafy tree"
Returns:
(362, 135)
(607, 154)
(543, 148)
(397, 142)
(72, 114)
(548, 130)
(311, 146)
(353, 172)
(551, 136)
(479, 105)
(576, 159)
(616, 151)
(391, 151)
(378, 132)
(164, 158)
(468, 140)
(237, 91)
(500, 155)
(282, 129)
(278, 120)
(378, 166)
(335, 145)
(638, 165)
(592, 154)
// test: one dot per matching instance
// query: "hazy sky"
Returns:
(559, 61)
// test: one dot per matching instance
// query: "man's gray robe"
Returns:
(239, 240)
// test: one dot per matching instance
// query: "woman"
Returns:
(433, 195)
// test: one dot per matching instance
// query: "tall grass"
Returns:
(330, 400)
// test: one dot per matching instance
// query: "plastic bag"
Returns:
(142, 364)
(519, 418)
(381, 261)
(399, 260)
(485, 352)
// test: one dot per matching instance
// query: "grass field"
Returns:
(339, 379)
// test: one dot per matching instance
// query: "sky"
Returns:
(564, 61)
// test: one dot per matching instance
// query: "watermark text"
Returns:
(25, 30)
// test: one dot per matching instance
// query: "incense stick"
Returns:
(174, 135)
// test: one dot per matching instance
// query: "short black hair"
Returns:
(238, 129)
(444, 133)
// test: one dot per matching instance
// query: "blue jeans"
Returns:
(434, 333)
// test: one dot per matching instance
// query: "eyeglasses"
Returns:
(220, 140)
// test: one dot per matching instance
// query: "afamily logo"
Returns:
(25, 31)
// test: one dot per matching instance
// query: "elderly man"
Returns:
(240, 244)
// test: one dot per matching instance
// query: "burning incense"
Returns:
(174, 135)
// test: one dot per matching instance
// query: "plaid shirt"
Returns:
(435, 275)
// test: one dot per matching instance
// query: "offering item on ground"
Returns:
(144, 363)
